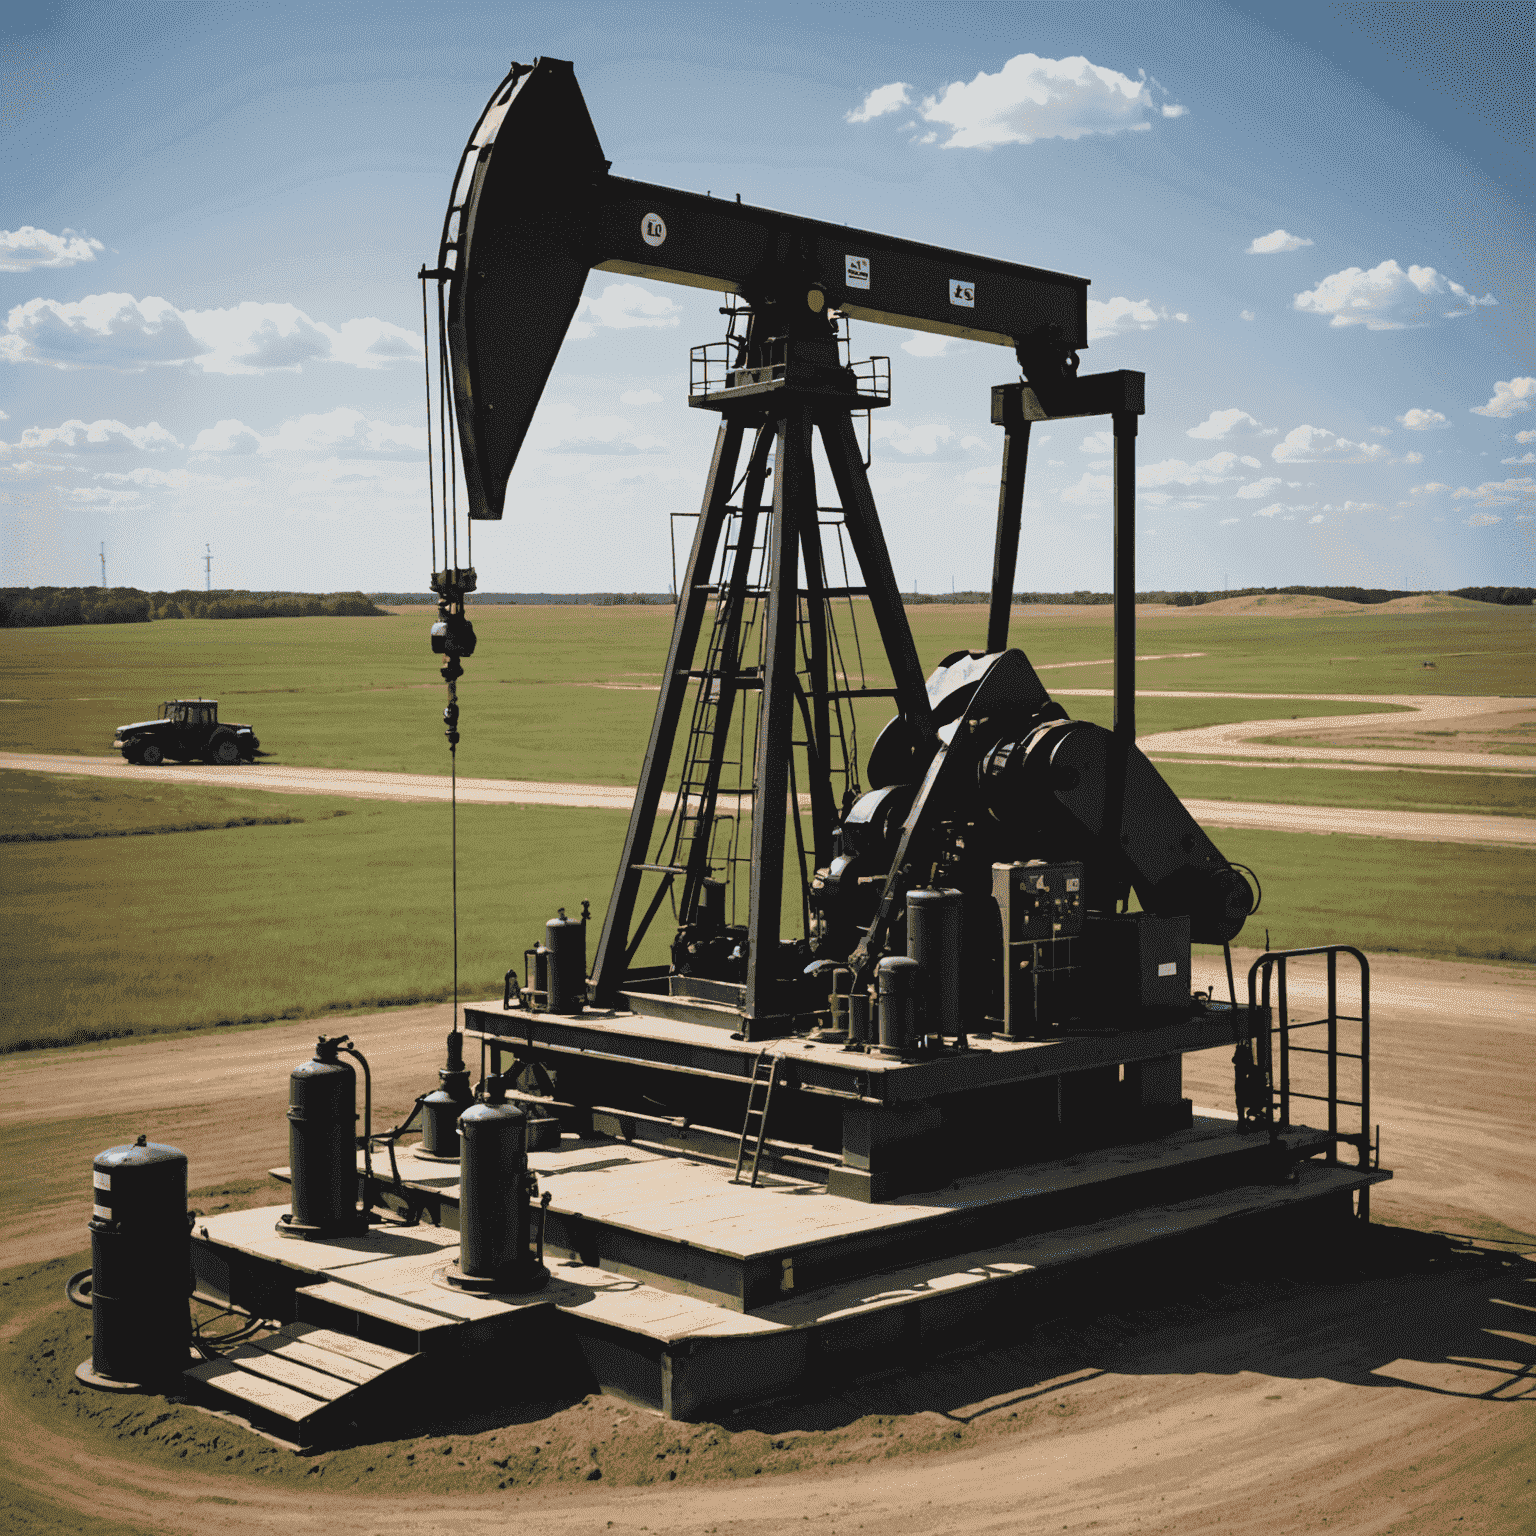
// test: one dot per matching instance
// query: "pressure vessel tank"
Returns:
(322, 1145)
(933, 941)
(565, 938)
(896, 991)
(495, 1222)
(141, 1265)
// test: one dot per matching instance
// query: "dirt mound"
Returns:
(1428, 602)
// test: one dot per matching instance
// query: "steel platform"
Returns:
(692, 1295)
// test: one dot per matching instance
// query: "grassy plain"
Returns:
(298, 905)
(565, 693)
(346, 906)
(1397, 789)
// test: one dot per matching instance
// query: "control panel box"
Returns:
(1038, 900)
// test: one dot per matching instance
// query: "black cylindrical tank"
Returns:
(141, 1263)
(494, 1213)
(933, 941)
(896, 987)
(440, 1109)
(566, 939)
(322, 1144)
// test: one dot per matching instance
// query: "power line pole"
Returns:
(208, 567)
(103, 562)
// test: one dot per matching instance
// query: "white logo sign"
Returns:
(856, 271)
(653, 229)
(962, 293)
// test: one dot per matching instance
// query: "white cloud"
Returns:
(1525, 458)
(1319, 516)
(1387, 298)
(343, 428)
(880, 101)
(1313, 445)
(623, 307)
(1526, 437)
(1509, 397)
(1226, 423)
(1256, 488)
(1227, 522)
(640, 397)
(1428, 490)
(1284, 510)
(1498, 493)
(1355, 506)
(1275, 242)
(97, 496)
(1090, 491)
(1099, 442)
(227, 436)
(1412, 458)
(1483, 520)
(924, 344)
(1421, 420)
(106, 436)
(118, 331)
(1211, 471)
(565, 429)
(926, 439)
(1114, 317)
(1028, 99)
(26, 249)
(1247, 314)
(28, 470)
(175, 480)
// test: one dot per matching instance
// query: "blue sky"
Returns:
(1310, 225)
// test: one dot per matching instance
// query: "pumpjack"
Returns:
(979, 769)
(924, 938)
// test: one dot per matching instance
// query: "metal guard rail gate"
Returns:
(1260, 975)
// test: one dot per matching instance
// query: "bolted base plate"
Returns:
(87, 1373)
(286, 1226)
(515, 1283)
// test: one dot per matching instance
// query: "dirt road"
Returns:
(1424, 739)
(1399, 1402)
(1418, 826)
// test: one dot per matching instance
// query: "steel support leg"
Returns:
(611, 961)
(793, 500)
(1010, 511)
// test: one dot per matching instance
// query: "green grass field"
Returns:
(347, 905)
(565, 693)
(138, 907)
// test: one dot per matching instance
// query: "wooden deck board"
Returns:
(259, 1392)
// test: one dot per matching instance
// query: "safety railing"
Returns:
(1269, 976)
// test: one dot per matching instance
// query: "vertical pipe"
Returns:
(1285, 1068)
(1364, 1205)
(1333, 1053)
(1010, 510)
(610, 964)
(770, 778)
(1125, 578)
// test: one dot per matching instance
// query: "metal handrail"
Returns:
(1283, 1093)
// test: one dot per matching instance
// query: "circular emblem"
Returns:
(653, 229)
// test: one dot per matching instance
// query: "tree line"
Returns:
(45, 607)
